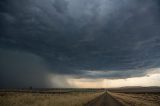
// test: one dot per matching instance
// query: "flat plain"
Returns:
(38, 99)
(132, 99)
(137, 96)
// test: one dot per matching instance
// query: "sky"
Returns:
(79, 43)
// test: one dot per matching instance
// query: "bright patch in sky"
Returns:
(151, 79)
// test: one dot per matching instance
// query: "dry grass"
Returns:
(137, 99)
(29, 99)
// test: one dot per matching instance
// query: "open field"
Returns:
(135, 96)
(138, 99)
(38, 99)
(51, 90)
(136, 89)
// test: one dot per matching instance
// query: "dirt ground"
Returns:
(133, 99)
(104, 100)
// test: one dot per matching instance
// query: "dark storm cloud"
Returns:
(19, 69)
(22, 69)
(116, 39)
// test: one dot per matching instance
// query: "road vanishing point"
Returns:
(104, 100)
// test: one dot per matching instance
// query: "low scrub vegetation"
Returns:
(133, 99)
(31, 99)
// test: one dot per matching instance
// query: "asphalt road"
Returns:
(104, 100)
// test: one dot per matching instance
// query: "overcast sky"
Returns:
(60, 43)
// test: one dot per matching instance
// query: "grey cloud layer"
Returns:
(72, 36)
